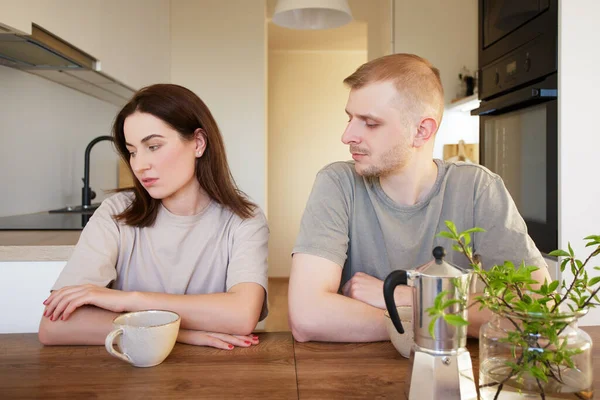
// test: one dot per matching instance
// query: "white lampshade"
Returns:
(312, 14)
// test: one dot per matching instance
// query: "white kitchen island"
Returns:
(30, 262)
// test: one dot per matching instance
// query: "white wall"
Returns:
(377, 15)
(307, 98)
(218, 50)
(579, 142)
(445, 33)
(130, 38)
(44, 129)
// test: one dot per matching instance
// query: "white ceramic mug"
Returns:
(402, 342)
(144, 338)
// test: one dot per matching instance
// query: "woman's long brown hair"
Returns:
(185, 112)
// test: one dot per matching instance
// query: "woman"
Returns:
(183, 239)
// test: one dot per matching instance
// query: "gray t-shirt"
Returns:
(205, 253)
(351, 221)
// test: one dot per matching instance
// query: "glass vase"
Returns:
(535, 356)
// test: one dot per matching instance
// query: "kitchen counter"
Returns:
(41, 236)
(43, 221)
(37, 245)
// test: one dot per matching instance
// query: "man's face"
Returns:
(379, 131)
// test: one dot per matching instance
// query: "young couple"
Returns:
(186, 239)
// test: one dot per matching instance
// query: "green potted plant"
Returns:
(532, 346)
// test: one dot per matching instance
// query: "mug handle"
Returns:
(109, 342)
(395, 278)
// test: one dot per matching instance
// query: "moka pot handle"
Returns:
(395, 278)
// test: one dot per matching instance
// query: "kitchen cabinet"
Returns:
(24, 287)
(131, 39)
(30, 262)
(7, 29)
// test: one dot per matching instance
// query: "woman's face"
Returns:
(161, 160)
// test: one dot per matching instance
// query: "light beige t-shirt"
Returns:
(205, 253)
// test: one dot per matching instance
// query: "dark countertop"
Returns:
(44, 222)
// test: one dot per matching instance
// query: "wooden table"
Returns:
(29, 370)
(278, 368)
(372, 370)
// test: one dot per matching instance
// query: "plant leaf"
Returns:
(553, 286)
(573, 269)
(455, 320)
(446, 234)
(451, 227)
(437, 303)
(571, 250)
(451, 303)
(432, 326)
(594, 281)
(538, 373)
(559, 253)
(473, 230)
(467, 238)
(456, 247)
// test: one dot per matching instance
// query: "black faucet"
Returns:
(87, 194)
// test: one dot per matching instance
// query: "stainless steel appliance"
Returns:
(441, 364)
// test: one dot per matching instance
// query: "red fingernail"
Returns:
(247, 342)
(46, 302)
(230, 346)
(62, 318)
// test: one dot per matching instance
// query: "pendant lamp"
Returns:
(312, 14)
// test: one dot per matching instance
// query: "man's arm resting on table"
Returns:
(317, 312)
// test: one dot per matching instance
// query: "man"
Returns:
(382, 211)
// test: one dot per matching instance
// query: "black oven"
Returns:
(504, 25)
(518, 140)
(518, 110)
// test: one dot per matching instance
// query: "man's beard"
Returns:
(393, 160)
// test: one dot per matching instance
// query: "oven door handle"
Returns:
(519, 99)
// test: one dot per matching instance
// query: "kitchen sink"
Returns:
(76, 209)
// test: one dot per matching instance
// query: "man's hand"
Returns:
(63, 302)
(369, 289)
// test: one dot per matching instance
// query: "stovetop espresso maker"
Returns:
(441, 365)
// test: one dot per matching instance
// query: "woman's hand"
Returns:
(62, 303)
(217, 340)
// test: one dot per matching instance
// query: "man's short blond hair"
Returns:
(417, 81)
